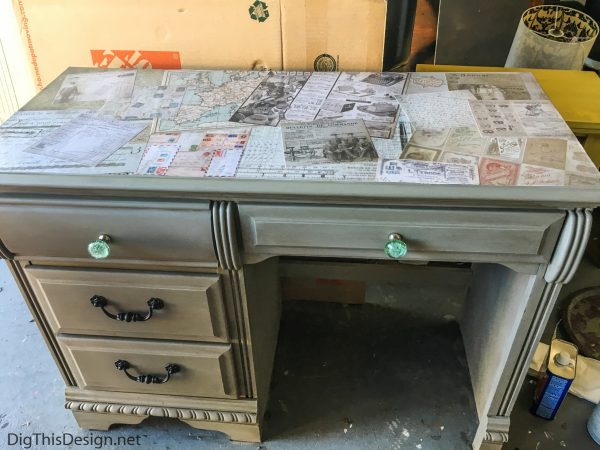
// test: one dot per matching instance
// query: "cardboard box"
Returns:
(215, 34)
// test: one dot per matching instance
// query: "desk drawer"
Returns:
(192, 305)
(204, 370)
(150, 231)
(431, 234)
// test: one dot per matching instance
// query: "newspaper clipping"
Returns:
(325, 141)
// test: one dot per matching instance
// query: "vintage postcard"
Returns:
(195, 153)
(430, 138)
(271, 99)
(490, 86)
(540, 176)
(96, 87)
(458, 158)
(87, 140)
(406, 171)
(540, 118)
(466, 140)
(227, 148)
(498, 172)
(419, 153)
(496, 119)
(547, 152)
(506, 147)
(578, 162)
(327, 142)
(436, 111)
(157, 159)
(421, 83)
(577, 180)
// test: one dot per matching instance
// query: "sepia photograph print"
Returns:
(323, 142)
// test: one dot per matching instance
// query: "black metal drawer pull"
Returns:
(154, 303)
(123, 365)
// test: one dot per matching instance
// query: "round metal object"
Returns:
(582, 321)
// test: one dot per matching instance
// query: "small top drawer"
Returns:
(138, 230)
(430, 233)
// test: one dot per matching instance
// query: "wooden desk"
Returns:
(575, 93)
(200, 256)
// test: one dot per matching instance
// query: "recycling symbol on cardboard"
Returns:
(259, 11)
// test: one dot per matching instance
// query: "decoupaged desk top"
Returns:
(450, 129)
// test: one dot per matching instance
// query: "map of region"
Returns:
(211, 97)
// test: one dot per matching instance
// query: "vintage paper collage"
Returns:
(194, 153)
(431, 128)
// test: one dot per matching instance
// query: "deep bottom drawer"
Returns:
(206, 370)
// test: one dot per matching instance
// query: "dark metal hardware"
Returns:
(154, 303)
(123, 365)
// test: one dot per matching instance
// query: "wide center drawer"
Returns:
(204, 370)
(430, 233)
(192, 304)
(138, 230)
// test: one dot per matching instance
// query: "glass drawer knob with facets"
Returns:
(395, 248)
(100, 248)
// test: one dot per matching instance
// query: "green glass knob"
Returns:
(100, 248)
(395, 248)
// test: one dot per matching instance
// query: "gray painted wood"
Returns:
(193, 303)
(442, 234)
(206, 369)
(142, 230)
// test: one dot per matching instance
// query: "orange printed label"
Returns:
(136, 59)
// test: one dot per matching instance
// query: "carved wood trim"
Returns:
(159, 411)
(38, 316)
(225, 235)
(216, 231)
(495, 437)
(570, 247)
(585, 216)
(241, 319)
(497, 430)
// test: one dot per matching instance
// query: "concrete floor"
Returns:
(346, 376)
(568, 429)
